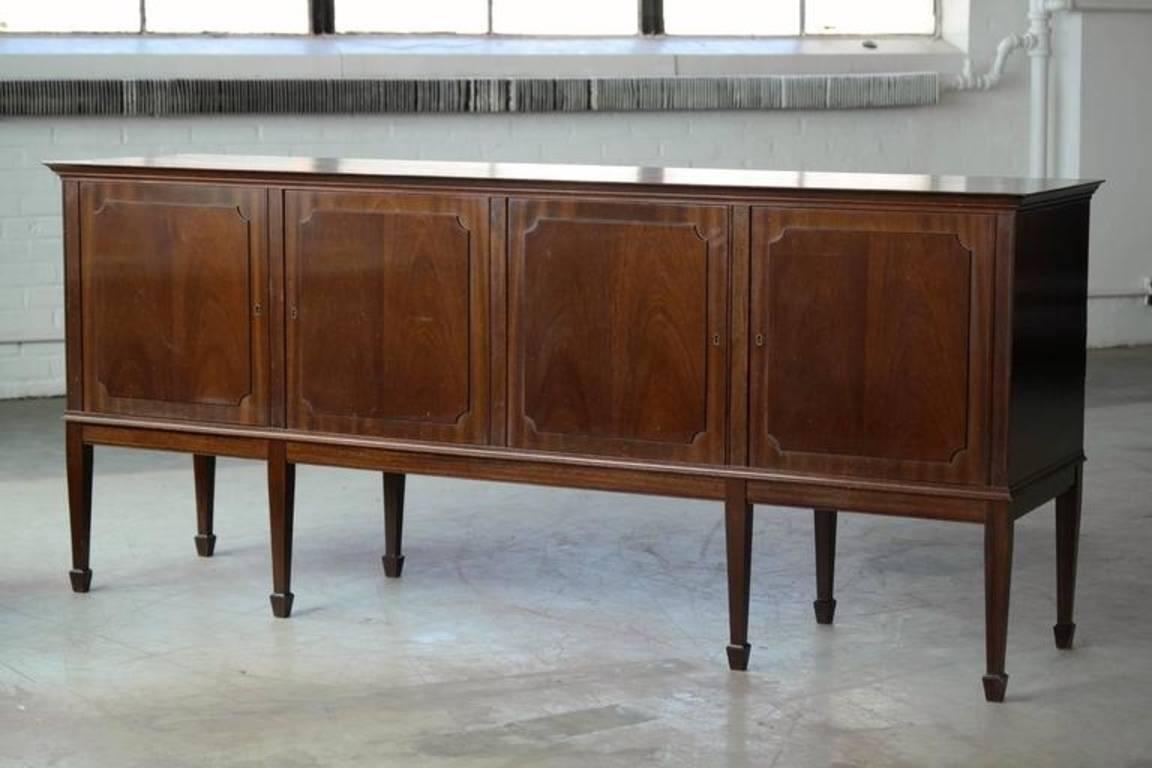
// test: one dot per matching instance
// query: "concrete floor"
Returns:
(555, 628)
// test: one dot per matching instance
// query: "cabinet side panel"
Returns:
(1049, 336)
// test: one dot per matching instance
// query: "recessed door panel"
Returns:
(618, 328)
(387, 303)
(868, 343)
(174, 290)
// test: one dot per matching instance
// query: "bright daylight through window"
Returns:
(474, 17)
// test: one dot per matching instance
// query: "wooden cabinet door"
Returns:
(870, 343)
(388, 314)
(173, 289)
(618, 328)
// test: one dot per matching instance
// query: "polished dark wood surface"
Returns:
(897, 345)
(738, 520)
(79, 459)
(249, 166)
(999, 534)
(174, 284)
(825, 539)
(281, 518)
(1067, 546)
(393, 559)
(204, 471)
(617, 329)
(854, 313)
(413, 271)
(1049, 323)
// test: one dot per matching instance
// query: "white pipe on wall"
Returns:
(967, 81)
(1038, 42)
(1039, 55)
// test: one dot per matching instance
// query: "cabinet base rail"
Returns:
(995, 509)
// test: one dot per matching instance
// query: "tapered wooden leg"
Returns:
(393, 524)
(204, 467)
(1067, 547)
(738, 533)
(281, 499)
(825, 605)
(998, 534)
(79, 457)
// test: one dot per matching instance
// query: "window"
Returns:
(853, 17)
(476, 17)
(731, 17)
(69, 16)
(562, 17)
(469, 17)
(191, 16)
(163, 16)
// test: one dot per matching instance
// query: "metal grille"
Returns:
(159, 98)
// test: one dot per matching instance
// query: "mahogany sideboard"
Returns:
(892, 344)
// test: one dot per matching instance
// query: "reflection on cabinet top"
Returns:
(311, 168)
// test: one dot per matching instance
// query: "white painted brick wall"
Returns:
(31, 293)
(31, 369)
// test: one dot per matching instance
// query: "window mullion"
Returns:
(322, 15)
(651, 17)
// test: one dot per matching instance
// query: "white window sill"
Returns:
(48, 57)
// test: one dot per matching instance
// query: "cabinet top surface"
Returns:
(306, 167)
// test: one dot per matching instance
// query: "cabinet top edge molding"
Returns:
(314, 168)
